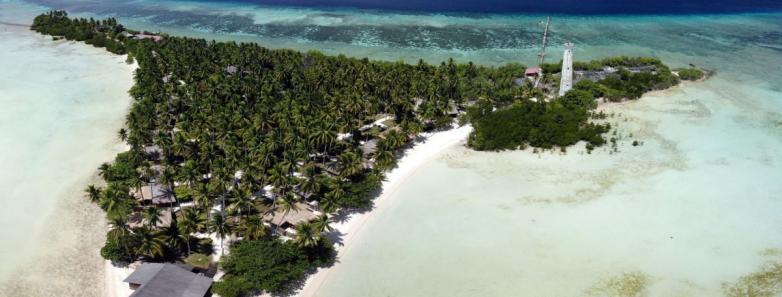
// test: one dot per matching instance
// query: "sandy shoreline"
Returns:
(414, 158)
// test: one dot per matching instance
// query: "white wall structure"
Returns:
(567, 70)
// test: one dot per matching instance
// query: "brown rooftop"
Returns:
(302, 213)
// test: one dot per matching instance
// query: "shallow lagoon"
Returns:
(688, 213)
(62, 105)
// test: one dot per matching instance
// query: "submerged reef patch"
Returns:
(628, 284)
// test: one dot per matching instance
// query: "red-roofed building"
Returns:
(533, 72)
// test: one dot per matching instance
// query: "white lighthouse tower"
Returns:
(567, 70)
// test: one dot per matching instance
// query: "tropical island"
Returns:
(260, 149)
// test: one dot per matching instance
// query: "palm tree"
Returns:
(190, 222)
(168, 177)
(307, 235)
(324, 136)
(322, 223)
(338, 190)
(221, 227)
(123, 134)
(151, 215)
(93, 193)
(411, 128)
(114, 201)
(240, 202)
(175, 239)
(105, 171)
(119, 232)
(189, 172)
(350, 164)
(202, 199)
(279, 179)
(137, 183)
(253, 228)
(309, 184)
(151, 243)
(384, 158)
(329, 203)
(395, 139)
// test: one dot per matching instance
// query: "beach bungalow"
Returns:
(136, 220)
(283, 220)
(167, 280)
(153, 193)
(369, 147)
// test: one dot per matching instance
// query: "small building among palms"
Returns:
(136, 220)
(369, 147)
(286, 220)
(153, 193)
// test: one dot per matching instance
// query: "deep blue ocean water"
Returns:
(544, 6)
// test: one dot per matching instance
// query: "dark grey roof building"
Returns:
(153, 193)
(167, 280)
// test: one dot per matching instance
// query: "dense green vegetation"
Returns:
(630, 78)
(533, 123)
(103, 33)
(595, 65)
(566, 120)
(270, 265)
(690, 73)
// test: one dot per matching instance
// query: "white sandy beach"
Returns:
(114, 276)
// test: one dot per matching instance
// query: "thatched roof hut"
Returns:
(302, 213)
(153, 193)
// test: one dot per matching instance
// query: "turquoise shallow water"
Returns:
(695, 207)
(483, 38)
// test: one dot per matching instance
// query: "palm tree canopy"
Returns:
(307, 235)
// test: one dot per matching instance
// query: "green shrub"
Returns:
(183, 193)
(578, 99)
(119, 251)
(199, 260)
(269, 264)
(690, 74)
(233, 286)
(360, 191)
(538, 124)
